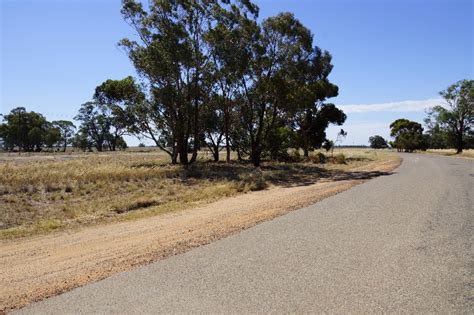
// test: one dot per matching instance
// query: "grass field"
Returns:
(40, 193)
(451, 152)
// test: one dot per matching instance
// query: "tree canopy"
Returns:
(408, 135)
(378, 142)
(215, 76)
(452, 126)
(28, 131)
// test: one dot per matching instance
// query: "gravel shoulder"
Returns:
(39, 267)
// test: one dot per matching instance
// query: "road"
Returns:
(398, 243)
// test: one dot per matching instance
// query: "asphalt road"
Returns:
(398, 243)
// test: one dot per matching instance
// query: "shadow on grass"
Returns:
(278, 174)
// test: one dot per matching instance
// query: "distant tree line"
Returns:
(449, 126)
(30, 131)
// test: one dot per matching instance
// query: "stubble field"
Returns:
(40, 193)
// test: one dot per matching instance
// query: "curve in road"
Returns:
(398, 243)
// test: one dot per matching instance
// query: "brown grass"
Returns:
(469, 153)
(40, 195)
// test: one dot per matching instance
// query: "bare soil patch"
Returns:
(38, 267)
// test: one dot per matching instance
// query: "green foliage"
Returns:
(408, 135)
(121, 144)
(81, 141)
(67, 130)
(53, 136)
(278, 142)
(217, 76)
(211, 74)
(96, 123)
(378, 142)
(328, 145)
(23, 130)
(452, 126)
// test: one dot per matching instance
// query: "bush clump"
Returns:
(319, 158)
(340, 159)
(253, 182)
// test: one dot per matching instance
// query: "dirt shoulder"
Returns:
(36, 268)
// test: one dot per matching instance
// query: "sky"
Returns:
(391, 57)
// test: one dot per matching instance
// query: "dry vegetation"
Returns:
(41, 193)
(452, 152)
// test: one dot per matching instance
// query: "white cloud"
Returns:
(403, 106)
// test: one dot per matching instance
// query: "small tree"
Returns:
(66, 129)
(378, 142)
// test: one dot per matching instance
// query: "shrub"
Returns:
(319, 158)
(253, 182)
(295, 155)
(340, 159)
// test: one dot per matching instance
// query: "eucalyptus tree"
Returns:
(408, 135)
(119, 97)
(66, 130)
(273, 49)
(214, 75)
(173, 55)
(213, 121)
(24, 130)
(228, 53)
(457, 119)
(378, 142)
(284, 86)
(311, 91)
(169, 55)
(52, 137)
(136, 113)
(95, 123)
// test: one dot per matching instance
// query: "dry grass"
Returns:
(39, 194)
(452, 152)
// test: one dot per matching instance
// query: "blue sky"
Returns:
(391, 58)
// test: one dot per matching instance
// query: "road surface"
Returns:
(398, 243)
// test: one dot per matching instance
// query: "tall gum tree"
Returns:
(172, 55)
(457, 119)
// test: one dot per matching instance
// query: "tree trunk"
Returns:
(306, 152)
(182, 150)
(256, 160)
(256, 155)
(459, 144)
(239, 155)
(226, 130)
(215, 153)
